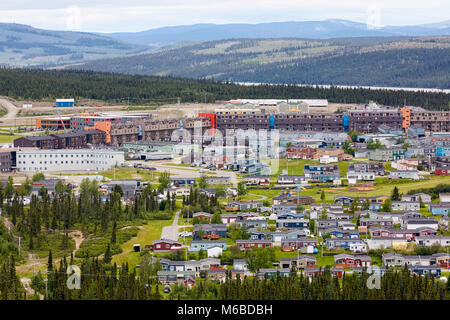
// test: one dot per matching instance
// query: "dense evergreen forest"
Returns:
(25, 84)
(103, 281)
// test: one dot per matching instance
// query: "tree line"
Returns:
(36, 84)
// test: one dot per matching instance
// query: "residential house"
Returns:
(170, 277)
(428, 241)
(374, 167)
(291, 179)
(243, 205)
(433, 271)
(296, 244)
(254, 222)
(349, 261)
(417, 197)
(197, 245)
(293, 200)
(257, 180)
(213, 180)
(387, 243)
(253, 244)
(165, 245)
(333, 243)
(301, 262)
(207, 231)
(240, 264)
(384, 155)
(344, 234)
(444, 197)
(202, 215)
(322, 173)
(297, 223)
(404, 174)
(269, 273)
(440, 209)
(415, 223)
(405, 206)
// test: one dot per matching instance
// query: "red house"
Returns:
(337, 272)
(300, 152)
(295, 244)
(442, 171)
(349, 261)
(165, 245)
(253, 244)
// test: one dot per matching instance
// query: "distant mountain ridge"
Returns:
(333, 28)
(22, 45)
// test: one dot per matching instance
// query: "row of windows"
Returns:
(41, 169)
(66, 156)
(62, 162)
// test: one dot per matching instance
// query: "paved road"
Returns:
(171, 232)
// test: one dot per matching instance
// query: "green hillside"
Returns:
(413, 62)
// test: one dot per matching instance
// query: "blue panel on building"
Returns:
(346, 123)
(272, 122)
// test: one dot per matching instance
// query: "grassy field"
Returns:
(147, 233)
(6, 137)
(131, 173)
(295, 166)
(380, 189)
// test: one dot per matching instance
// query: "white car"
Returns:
(185, 234)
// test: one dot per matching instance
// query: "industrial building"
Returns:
(34, 160)
(54, 123)
(70, 103)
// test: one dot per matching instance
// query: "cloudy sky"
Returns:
(138, 15)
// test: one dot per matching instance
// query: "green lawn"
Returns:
(149, 232)
(295, 166)
(8, 138)
(131, 173)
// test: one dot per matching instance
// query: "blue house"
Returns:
(443, 152)
(210, 229)
(288, 215)
(440, 209)
(293, 223)
(345, 234)
(205, 245)
(342, 243)
(433, 271)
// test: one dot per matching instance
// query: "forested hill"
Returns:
(377, 61)
(27, 84)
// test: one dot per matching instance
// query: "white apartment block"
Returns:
(33, 160)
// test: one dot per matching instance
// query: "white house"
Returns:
(326, 159)
(358, 247)
(444, 197)
(214, 252)
(427, 241)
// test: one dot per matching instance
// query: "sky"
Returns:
(138, 15)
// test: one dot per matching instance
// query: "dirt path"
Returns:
(12, 110)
